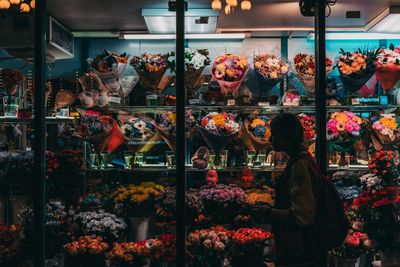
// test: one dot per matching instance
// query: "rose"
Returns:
(368, 244)
(357, 225)
(207, 243)
(352, 241)
(360, 235)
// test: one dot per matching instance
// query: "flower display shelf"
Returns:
(334, 167)
(49, 120)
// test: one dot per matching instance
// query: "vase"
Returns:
(140, 228)
(390, 257)
(345, 262)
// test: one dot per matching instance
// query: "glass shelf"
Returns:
(348, 168)
(49, 120)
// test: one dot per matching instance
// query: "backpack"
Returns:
(330, 226)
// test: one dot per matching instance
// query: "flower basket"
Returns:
(388, 75)
(252, 142)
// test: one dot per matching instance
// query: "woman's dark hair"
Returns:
(289, 127)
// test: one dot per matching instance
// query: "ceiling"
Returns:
(125, 15)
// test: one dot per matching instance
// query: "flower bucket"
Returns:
(352, 84)
(390, 257)
(252, 143)
(151, 80)
(388, 75)
(230, 88)
(140, 228)
(215, 142)
(343, 262)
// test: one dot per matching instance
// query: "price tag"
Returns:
(263, 104)
(151, 97)
(194, 101)
(114, 99)
(231, 102)
(355, 101)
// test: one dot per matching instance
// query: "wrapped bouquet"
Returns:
(386, 129)
(304, 66)
(93, 91)
(218, 129)
(139, 134)
(356, 68)
(10, 79)
(255, 133)
(270, 68)
(110, 67)
(230, 71)
(165, 124)
(388, 67)
(291, 98)
(151, 69)
(195, 62)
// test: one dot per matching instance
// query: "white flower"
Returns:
(211, 125)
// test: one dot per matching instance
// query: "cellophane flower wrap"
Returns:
(343, 129)
(110, 67)
(223, 202)
(386, 128)
(270, 68)
(139, 133)
(151, 69)
(100, 223)
(229, 71)
(218, 129)
(10, 79)
(388, 67)
(255, 132)
(304, 67)
(165, 124)
(248, 245)
(195, 62)
(129, 254)
(10, 244)
(356, 68)
(94, 93)
(137, 200)
(208, 247)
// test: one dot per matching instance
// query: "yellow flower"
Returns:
(230, 72)
(219, 120)
(333, 115)
(242, 63)
(267, 134)
(358, 120)
(221, 67)
(341, 117)
(340, 126)
(172, 118)
(257, 122)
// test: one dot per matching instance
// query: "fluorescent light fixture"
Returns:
(386, 22)
(357, 36)
(215, 36)
(162, 21)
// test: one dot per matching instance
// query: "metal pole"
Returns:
(320, 84)
(40, 133)
(180, 133)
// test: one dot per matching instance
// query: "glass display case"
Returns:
(149, 144)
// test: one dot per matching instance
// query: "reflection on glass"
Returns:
(212, 159)
(260, 159)
(138, 160)
(106, 159)
(250, 157)
(93, 161)
(222, 161)
(128, 157)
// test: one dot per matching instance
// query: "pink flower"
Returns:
(207, 243)
(352, 241)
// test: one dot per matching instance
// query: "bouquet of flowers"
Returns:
(86, 251)
(371, 182)
(255, 132)
(132, 254)
(208, 247)
(218, 129)
(270, 68)
(264, 195)
(291, 98)
(10, 236)
(195, 62)
(347, 184)
(355, 244)
(165, 124)
(168, 248)
(304, 66)
(223, 201)
(230, 71)
(93, 91)
(138, 200)
(308, 123)
(248, 246)
(110, 67)
(100, 223)
(10, 79)
(343, 129)
(101, 131)
(378, 209)
(386, 128)
(151, 69)
(388, 67)
(356, 68)
(139, 133)
(384, 165)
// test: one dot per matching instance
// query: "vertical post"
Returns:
(320, 84)
(40, 132)
(180, 133)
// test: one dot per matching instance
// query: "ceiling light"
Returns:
(232, 3)
(215, 36)
(4, 4)
(386, 22)
(356, 36)
(227, 9)
(246, 5)
(216, 5)
(15, 2)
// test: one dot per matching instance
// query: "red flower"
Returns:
(352, 241)
(360, 235)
